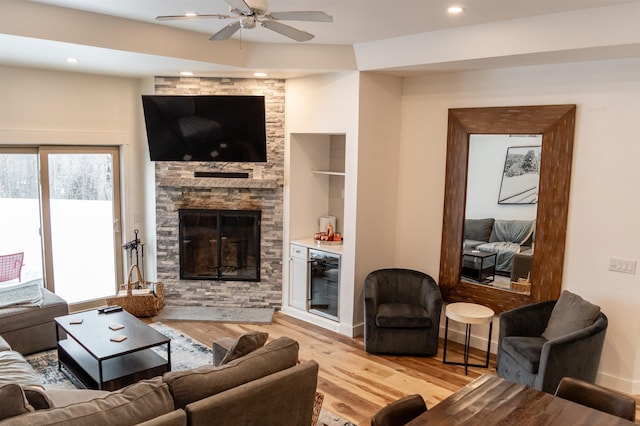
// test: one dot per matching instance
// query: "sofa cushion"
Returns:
(132, 405)
(284, 398)
(13, 400)
(525, 351)
(15, 369)
(571, 313)
(402, 315)
(18, 317)
(174, 418)
(198, 383)
(64, 397)
(478, 229)
(244, 345)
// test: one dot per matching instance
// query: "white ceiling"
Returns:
(355, 21)
(25, 41)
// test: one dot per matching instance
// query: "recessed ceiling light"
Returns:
(260, 74)
(72, 60)
(186, 73)
(190, 14)
(455, 9)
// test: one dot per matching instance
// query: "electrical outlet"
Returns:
(627, 266)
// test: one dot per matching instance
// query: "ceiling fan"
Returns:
(250, 12)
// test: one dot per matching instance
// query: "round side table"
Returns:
(469, 314)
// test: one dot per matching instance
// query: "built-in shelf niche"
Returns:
(317, 182)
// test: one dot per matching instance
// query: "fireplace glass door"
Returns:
(220, 245)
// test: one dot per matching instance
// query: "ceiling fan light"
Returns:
(248, 22)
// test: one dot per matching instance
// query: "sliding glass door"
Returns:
(79, 210)
(20, 212)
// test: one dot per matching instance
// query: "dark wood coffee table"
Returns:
(89, 355)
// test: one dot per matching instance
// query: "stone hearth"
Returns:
(177, 188)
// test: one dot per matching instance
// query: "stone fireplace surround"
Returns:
(177, 188)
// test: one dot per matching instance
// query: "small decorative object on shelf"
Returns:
(328, 236)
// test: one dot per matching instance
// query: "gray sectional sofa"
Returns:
(30, 329)
(267, 386)
(505, 238)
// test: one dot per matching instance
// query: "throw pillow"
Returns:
(245, 344)
(37, 397)
(571, 313)
(13, 400)
(478, 229)
(134, 404)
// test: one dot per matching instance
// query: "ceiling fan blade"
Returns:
(286, 30)
(301, 15)
(190, 16)
(226, 32)
(241, 6)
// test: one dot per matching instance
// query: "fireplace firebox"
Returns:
(219, 245)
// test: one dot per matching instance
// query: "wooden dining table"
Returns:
(491, 400)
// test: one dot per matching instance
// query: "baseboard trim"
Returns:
(618, 383)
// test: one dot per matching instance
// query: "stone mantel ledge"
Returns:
(218, 183)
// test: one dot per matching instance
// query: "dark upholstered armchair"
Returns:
(401, 312)
(525, 357)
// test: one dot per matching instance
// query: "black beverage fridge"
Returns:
(324, 283)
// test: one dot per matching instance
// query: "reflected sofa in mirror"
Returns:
(503, 176)
(556, 124)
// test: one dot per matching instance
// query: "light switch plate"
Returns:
(628, 266)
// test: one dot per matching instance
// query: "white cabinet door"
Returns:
(299, 276)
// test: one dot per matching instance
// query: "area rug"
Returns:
(216, 314)
(186, 353)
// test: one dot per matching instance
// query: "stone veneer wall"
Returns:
(176, 188)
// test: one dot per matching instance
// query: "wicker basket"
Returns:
(140, 298)
(522, 285)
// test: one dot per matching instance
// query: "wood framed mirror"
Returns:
(556, 124)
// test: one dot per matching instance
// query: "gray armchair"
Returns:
(401, 312)
(527, 358)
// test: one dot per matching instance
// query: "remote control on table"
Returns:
(110, 309)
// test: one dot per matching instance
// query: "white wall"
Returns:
(378, 154)
(327, 105)
(42, 107)
(366, 108)
(487, 155)
(603, 205)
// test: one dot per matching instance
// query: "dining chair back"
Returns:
(597, 397)
(400, 412)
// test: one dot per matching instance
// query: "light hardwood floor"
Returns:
(355, 383)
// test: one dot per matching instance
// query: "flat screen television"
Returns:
(206, 128)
